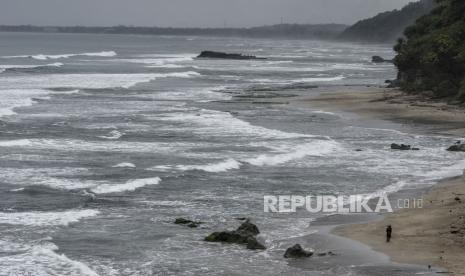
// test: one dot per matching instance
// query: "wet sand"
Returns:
(434, 234)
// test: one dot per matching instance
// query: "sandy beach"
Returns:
(434, 234)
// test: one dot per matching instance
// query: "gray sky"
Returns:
(189, 13)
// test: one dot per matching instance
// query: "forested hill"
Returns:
(387, 26)
(432, 56)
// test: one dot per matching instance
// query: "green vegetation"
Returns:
(432, 55)
(387, 26)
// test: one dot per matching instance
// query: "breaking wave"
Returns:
(46, 218)
(124, 165)
(131, 185)
(46, 57)
(89, 81)
(6, 68)
(39, 260)
(317, 148)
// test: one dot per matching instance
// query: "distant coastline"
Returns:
(291, 31)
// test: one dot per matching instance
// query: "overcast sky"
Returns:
(189, 13)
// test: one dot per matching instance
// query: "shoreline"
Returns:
(435, 234)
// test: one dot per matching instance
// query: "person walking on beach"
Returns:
(388, 233)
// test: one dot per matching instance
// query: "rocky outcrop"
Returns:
(395, 146)
(245, 234)
(457, 147)
(187, 222)
(297, 251)
(221, 55)
(253, 244)
(378, 59)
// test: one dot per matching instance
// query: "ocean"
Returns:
(106, 139)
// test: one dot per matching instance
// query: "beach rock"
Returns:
(400, 147)
(253, 244)
(457, 147)
(221, 55)
(187, 222)
(248, 228)
(228, 237)
(378, 59)
(297, 251)
(245, 234)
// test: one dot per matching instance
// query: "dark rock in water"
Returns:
(400, 147)
(323, 254)
(358, 150)
(253, 244)
(187, 222)
(245, 234)
(248, 228)
(228, 237)
(241, 217)
(457, 147)
(415, 149)
(297, 252)
(378, 59)
(221, 55)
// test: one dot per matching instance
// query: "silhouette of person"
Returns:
(388, 233)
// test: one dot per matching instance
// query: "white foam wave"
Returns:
(422, 179)
(160, 61)
(40, 260)
(131, 185)
(198, 95)
(91, 81)
(316, 148)
(114, 145)
(15, 143)
(113, 135)
(456, 169)
(124, 165)
(218, 123)
(13, 98)
(328, 79)
(3, 68)
(46, 218)
(45, 57)
(223, 166)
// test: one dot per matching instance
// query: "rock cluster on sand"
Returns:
(245, 234)
(297, 251)
(395, 146)
(187, 222)
(221, 55)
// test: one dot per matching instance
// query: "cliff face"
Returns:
(432, 55)
(387, 26)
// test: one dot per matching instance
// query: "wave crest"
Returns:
(131, 185)
(46, 57)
